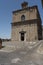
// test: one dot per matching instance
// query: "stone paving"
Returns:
(24, 56)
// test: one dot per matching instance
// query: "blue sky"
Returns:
(6, 8)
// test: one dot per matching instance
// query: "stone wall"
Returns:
(30, 35)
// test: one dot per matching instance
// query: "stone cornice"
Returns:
(25, 22)
(25, 9)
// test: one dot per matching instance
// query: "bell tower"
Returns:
(24, 5)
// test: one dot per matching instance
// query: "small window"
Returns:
(22, 18)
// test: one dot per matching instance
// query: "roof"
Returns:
(25, 9)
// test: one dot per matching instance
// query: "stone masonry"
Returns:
(26, 24)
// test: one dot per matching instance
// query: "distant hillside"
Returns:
(6, 40)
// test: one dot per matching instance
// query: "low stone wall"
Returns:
(18, 45)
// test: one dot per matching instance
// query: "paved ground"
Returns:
(24, 56)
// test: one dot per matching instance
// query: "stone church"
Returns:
(26, 24)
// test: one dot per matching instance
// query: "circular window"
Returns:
(22, 18)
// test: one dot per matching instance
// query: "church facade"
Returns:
(26, 24)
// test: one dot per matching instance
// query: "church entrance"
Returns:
(22, 35)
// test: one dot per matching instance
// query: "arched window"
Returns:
(22, 18)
